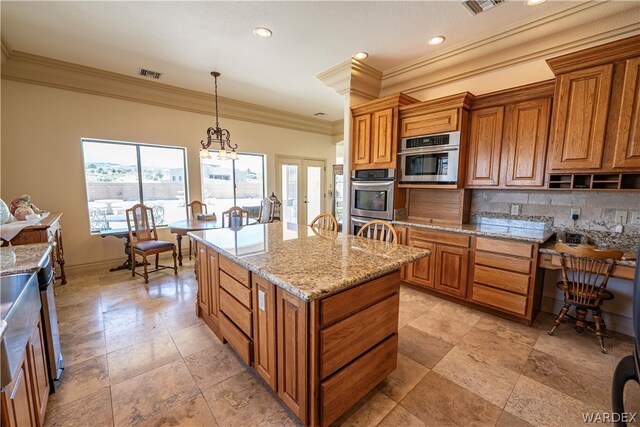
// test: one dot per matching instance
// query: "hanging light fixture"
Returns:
(217, 135)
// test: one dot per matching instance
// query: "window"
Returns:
(227, 183)
(119, 175)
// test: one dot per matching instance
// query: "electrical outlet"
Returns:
(621, 217)
(635, 218)
(515, 209)
(575, 212)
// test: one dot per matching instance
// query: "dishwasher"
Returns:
(55, 361)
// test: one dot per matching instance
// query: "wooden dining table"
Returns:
(181, 228)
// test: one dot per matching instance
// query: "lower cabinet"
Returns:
(452, 264)
(264, 332)
(39, 372)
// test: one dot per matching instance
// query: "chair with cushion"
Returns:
(267, 211)
(194, 209)
(585, 273)
(379, 230)
(325, 221)
(237, 217)
(144, 240)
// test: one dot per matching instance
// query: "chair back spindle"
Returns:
(379, 230)
(235, 212)
(325, 221)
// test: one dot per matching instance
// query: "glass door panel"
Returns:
(290, 189)
(314, 188)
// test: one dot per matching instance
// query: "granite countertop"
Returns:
(23, 258)
(628, 259)
(309, 263)
(499, 229)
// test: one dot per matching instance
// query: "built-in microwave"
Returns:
(430, 159)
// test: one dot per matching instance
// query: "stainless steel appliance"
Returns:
(372, 193)
(430, 159)
(55, 361)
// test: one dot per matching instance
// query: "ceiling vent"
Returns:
(479, 6)
(148, 73)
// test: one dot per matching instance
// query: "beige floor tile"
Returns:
(570, 378)
(241, 400)
(403, 379)
(93, 410)
(468, 370)
(190, 412)
(152, 393)
(193, 339)
(214, 365)
(542, 405)
(135, 332)
(512, 331)
(367, 412)
(78, 349)
(81, 380)
(140, 358)
(632, 398)
(88, 311)
(177, 318)
(400, 417)
(280, 418)
(124, 317)
(583, 349)
(439, 402)
(422, 347)
(495, 349)
(67, 296)
(457, 311)
(509, 420)
(411, 310)
(437, 324)
(113, 300)
(75, 328)
(623, 345)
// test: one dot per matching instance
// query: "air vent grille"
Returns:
(479, 6)
(148, 73)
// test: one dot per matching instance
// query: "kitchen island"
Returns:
(314, 312)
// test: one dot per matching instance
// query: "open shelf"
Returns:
(609, 181)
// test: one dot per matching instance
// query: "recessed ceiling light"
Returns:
(436, 40)
(262, 32)
(361, 55)
(534, 2)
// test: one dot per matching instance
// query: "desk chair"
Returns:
(144, 240)
(194, 209)
(585, 273)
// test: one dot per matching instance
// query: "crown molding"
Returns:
(39, 70)
(353, 77)
(574, 28)
(6, 48)
(337, 77)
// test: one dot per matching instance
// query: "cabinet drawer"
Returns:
(351, 337)
(240, 343)
(341, 305)
(235, 289)
(507, 280)
(439, 237)
(502, 300)
(504, 247)
(519, 265)
(236, 271)
(239, 314)
(425, 124)
(341, 391)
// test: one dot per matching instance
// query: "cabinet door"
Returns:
(264, 334)
(485, 142)
(17, 401)
(627, 150)
(361, 139)
(525, 137)
(291, 326)
(382, 139)
(422, 272)
(430, 123)
(204, 304)
(213, 283)
(581, 108)
(451, 270)
(39, 372)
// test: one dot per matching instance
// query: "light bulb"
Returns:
(222, 154)
(233, 155)
(204, 154)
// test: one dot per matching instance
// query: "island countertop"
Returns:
(309, 263)
(23, 258)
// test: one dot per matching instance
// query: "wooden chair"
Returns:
(194, 209)
(144, 240)
(379, 230)
(235, 212)
(267, 211)
(325, 222)
(585, 273)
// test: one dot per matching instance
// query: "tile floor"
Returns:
(138, 355)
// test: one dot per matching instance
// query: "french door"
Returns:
(300, 185)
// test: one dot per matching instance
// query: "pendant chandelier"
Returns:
(218, 136)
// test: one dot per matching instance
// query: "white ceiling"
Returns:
(186, 40)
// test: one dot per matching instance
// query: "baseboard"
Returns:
(615, 322)
(107, 264)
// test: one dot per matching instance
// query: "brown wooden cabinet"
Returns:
(422, 272)
(213, 288)
(264, 334)
(361, 140)
(39, 373)
(485, 146)
(452, 264)
(204, 300)
(627, 147)
(17, 400)
(382, 152)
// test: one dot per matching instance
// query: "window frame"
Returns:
(137, 146)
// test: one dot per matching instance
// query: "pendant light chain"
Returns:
(215, 78)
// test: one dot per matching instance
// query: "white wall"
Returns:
(41, 152)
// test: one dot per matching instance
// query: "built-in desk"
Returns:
(550, 259)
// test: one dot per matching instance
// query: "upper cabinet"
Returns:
(596, 109)
(375, 132)
(508, 133)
